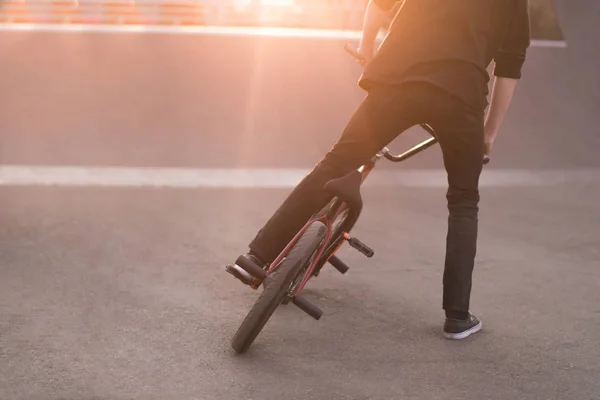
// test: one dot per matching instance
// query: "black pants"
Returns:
(381, 117)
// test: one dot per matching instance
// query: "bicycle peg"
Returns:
(358, 245)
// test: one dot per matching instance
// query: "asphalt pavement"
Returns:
(120, 293)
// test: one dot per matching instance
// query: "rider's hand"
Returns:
(366, 53)
(489, 135)
(363, 54)
(487, 148)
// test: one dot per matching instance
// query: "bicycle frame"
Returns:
(336, 209)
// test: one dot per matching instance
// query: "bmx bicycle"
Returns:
(311, 248)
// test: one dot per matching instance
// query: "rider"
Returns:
(431, 68)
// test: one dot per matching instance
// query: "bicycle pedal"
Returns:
(358, 245)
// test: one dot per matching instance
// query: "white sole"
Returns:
(464, 334)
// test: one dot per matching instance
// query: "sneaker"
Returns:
(460, 329)
(241, 273)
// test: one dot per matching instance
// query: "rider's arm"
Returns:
(376, 16)
(508, 66)
(502, 94)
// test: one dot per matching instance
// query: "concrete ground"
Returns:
(119, 292)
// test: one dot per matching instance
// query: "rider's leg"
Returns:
(461, 139)
(383, 114)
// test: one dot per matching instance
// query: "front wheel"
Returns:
(278, 286)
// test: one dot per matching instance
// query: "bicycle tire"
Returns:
(278, 286)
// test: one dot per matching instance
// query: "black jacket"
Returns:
(451, 43)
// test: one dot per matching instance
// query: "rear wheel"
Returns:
(278, 286)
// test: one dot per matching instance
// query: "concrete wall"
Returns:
(132, 99)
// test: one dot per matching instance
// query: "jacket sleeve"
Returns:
(385, 5)
(510, 57)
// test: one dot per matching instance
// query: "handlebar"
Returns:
(416, 149)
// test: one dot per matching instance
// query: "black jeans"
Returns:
(383, 114)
